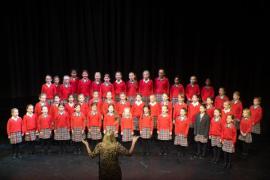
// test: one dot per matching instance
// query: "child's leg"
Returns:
(204, 146)
(166, 147)
(161, 147)
(225, 159)
(198, 148)
(214, 148)
(229, 165)
(18, 151)
(13, 150)
(147, 146)
(218, 150)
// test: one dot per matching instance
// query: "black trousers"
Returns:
(201, 148)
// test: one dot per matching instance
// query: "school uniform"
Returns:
(29, 126)
(78, 124)
(95, 86)
(246, 127)
(94, 125)
(119, 87)
(132, 90)
(164, 127)
(207, 91)
(175, 90)
(74, 85)
(256, 115)
(84, 87)
(104, 89)
(192, 90)
(120, 106)
(57, 88)
(65, 91)
(169, 106)
(146, 130)
(181, 131)
(161, 86)
(53, 110)
(210, 111)
(69, 108)
(136, 111)
(219, 101)
(110, 123)
(62, 126)
(177, 108)
(45, 127)
(84, 108)
(237, 109)
(127, 129)
(38, 107)
(15, 133)
(215, 136)
(98, 103)
(50, 91)
(105, 106)
(224, 114)
(146, 89)
(155, 112)
(193, 110)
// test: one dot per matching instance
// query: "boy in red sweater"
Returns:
(119, 86)
(146, 86)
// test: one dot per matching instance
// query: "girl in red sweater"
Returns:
(179, 105)
(228, 140)
(146, 86)
(122, 104)
(62, 128)
(15, 132)
(54, 107)
(119, 86)
(97, 100)
(132, 87)
(245, 131)
(57, 83)
(127, 127)
(237, 108)
(207, 91)
(84, 108)
(42, 102)
(30, 127)
(181, 133)
(84, 85)
(94, 119)
(111, 121)
(146, 129)
(176, 89)
(106, 87)
(49, 89)
(108, 101)
(221, 98)
(164, 130)
(136, 112)
(69, 106)
(256, 115)
(209, 107)
(155, 112)
(215, 134)
(78, 124)
(74, 81)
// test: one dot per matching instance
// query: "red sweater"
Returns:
(84, 108)
(70, 108)
(98, 102)
(94, 119)
(256, 114)
(164, 123)
(176, 90)
(146, 122)
(191, 90)
(29, 123)
(110, 120)
(62, 120)
(57, 87)
(78, 121)
(137, 110)
(215, 127)
(181, 126)
(74, 84)
(121, 106)
(155, 109)
(132, 88)
(224, 115)
(95, 86)
(105, 106)
(84, 87)
(246, 125)
(65, 91)
(161, 86)
(126, 123)
(193, 111)
(104, 88)
(14, 126)
(53, 110)
(207, 91)
(177, 108)
(210, 111)
(44, 122)
(219, 101)
(237, 109)
(38, 108)
(169, 105)
(50, 91)
(228, 133)
(146, 88)
(119, 87)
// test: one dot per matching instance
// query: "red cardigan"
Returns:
(228, 133)
(126, 123)
(164, 123)
(119, 87)
(191, 90)
(50, 91)
(45, 122)
(146, 122)
(132, 88)
(219, 101)
(62, 120)
(181, 126)
(246, 125)
(14, 126)
(94, 119)
(256, 114)
(161, 86)
(176, 90)
(215, 127)
(146, 88)
(29, 123)
(207, 91)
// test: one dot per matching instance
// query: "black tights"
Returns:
(181, 151)
(216, 153)
(77, 147)
(31, 146)
(45, 143)
(62, 145)
(145, 145)
(245, 148)
(16, 149)
(227, 158)
(164, 147)
(201, 148)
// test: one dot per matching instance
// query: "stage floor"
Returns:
(69, 166)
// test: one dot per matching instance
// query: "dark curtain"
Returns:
(223, 41)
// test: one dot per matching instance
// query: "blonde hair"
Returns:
(109, 138)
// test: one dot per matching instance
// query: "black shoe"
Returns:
(229, 166)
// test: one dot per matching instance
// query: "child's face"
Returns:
(109, 95)
(70, 98)
(126, 111)
(256, 102)
(194, 98)
(182, 112)
(193, 79)
(146, 110)
(95, 94)
(118, 76)
(235, 96)
(66, 80)
(30, 109)
(176, 80)
(106, 79)
(94, 108)
(164, 109)
(123, 97)
(216, 113)
(42, 98)
(48, 79)
(44, 110)
(165, 97)
(111, 109)
(56, 80)
(245, 114)
(85, 75)
(146, 75)
(152, 98)
(81, 98)
(209, 101)
(78, 108)
(161, 73)
(97, 76)
(181, 98)
(73, 74)
(221, 91)
(61, 108)
(202, 109)
(15, 113)
(138, 98)
(207, 82)
(56, 99)
(131, 76)
(226, 105)
(229, 119)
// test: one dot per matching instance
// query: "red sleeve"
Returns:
(24, 124)
(42, 89)
(8, 127)
(234, 135)
(132, 126)
(168, 87)
(170, 123)
(158, 123)
(187, 128)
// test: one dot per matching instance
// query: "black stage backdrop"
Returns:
(225, 42)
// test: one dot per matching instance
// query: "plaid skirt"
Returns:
(215, 141)
(155, 121)
(78, 135)
(164, 135)
(228, 146)
(136, 123)
(111, 128)
(174, 100)
(61, 134)
(131, 99)
(256, 129)
(94, 133)
(200, 138)
(15, 137)
(45, 133)
(145, 133)
(246, 139)
(180, 140)
(30, 136)
(127, 135)
(145, 99)
(237, 123)
(159, 98)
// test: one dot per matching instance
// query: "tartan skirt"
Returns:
(136, 123)
(159, 98)
(200, 138)
(45, 133)
(228, 146)
(15, 137)
(145, 99)
(113, 129)
(155, 121)
(174, 100)
(61, 134)
(94, 133)
(164, 135)
(215, 141)
(256, 129)
(131, 99)
(246, 139)
(180, 140)
(145, 133)
(30, 136)
(78, 135)
(127, 135)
